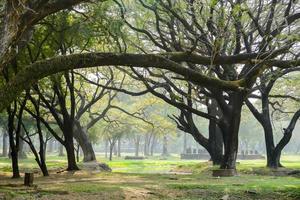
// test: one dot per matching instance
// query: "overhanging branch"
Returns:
(38, 70)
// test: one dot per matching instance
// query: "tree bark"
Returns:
(215, 144)
(81, 136)
(287, 135)
(13, 147)
(215, 140)
(272, 161)
(230, 126)
(43, 167)
(69, 146)
(42, 152)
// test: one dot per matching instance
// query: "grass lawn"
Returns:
(150, 179)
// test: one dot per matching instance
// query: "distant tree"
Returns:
(264, 117)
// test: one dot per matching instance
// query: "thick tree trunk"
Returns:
(44, 169)
(15, 162)
(4, 144)
(43, 166)
(215, 145)
(215, 140)
(69, 146)
(81, 136)
(230, 126)
(231, 147)
(13, 146)
(214, 148)
(272, 160)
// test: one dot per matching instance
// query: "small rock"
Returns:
(225, 197)
(94, 166)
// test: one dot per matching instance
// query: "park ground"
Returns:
(153, 178)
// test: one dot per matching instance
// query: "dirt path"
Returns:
(114, 186)
(56, 186)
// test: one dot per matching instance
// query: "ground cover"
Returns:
(152, 179)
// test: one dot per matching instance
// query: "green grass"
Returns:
(83, 188)
(262, 185)
(149, 179)
(290, 161)
(30, 164)
(150, 165)
(146, 166)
